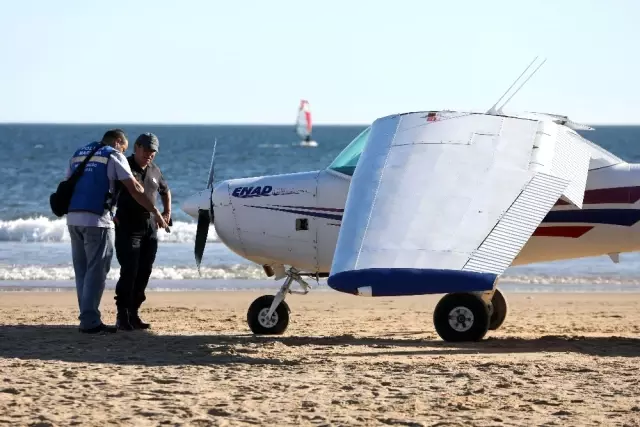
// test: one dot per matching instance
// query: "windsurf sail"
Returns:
(303, 122)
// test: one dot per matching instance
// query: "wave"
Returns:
(37, 272)
(43, 229)
(255, 272)
(571, 280)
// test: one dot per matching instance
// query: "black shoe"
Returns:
(137, 323)
(123, 322)
(100, 328)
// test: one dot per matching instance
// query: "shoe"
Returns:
(100, 328)
(137, 323)
(123, 321)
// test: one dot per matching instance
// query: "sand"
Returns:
(560, 359)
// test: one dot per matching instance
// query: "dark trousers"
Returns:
(136, 246)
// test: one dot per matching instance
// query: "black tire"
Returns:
(500, 309)
(459, 306)
(260, 307)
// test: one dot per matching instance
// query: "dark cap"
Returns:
(148, 140)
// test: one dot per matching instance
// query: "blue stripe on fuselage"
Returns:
(625, 217)
(300, 212)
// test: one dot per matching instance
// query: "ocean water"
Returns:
(35, 249)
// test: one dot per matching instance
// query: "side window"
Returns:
(347, 160)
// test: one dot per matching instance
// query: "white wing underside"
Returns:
(464, 192)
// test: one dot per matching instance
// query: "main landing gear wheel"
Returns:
(260, 323)
(461, 317)
(500, 308)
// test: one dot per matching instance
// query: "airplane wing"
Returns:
(444, 201)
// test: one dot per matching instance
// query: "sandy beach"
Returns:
(560, 359)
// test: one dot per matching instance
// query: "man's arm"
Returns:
(125, 176)
(137, 192)
(166, 205)
(165, 196)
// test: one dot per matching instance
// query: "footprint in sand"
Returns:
(218, 412)
(165, 381)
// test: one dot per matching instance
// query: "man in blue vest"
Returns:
(90, 220)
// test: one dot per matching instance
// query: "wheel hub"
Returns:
(266, 322)
(461, 319)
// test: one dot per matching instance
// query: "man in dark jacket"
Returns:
(136, 240)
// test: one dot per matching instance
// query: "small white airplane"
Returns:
(304, 125)
(431, 202)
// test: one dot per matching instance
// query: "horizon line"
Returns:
(224, 124)
(177, 124)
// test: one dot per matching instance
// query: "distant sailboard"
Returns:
(304, 125)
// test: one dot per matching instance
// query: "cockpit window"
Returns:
(347, 160)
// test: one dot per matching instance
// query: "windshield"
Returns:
(348, 159)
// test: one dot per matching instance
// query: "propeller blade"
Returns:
(201, 235)
(210, 180)
(205, 216)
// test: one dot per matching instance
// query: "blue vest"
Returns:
(91, 193)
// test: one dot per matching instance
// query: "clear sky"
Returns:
(250, 61)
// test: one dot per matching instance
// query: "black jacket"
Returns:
(129, 211)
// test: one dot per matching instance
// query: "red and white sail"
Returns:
(303, 122)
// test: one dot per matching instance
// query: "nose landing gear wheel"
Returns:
(258, 321)
(461, 317)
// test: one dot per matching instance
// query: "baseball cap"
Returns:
(148, 140)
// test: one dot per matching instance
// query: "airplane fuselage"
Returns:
(294, 219)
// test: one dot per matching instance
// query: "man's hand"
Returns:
(160, 220)
(166, 216)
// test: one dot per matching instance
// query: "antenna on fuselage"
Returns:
(498, 110)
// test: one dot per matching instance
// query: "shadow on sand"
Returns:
(64, 343)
